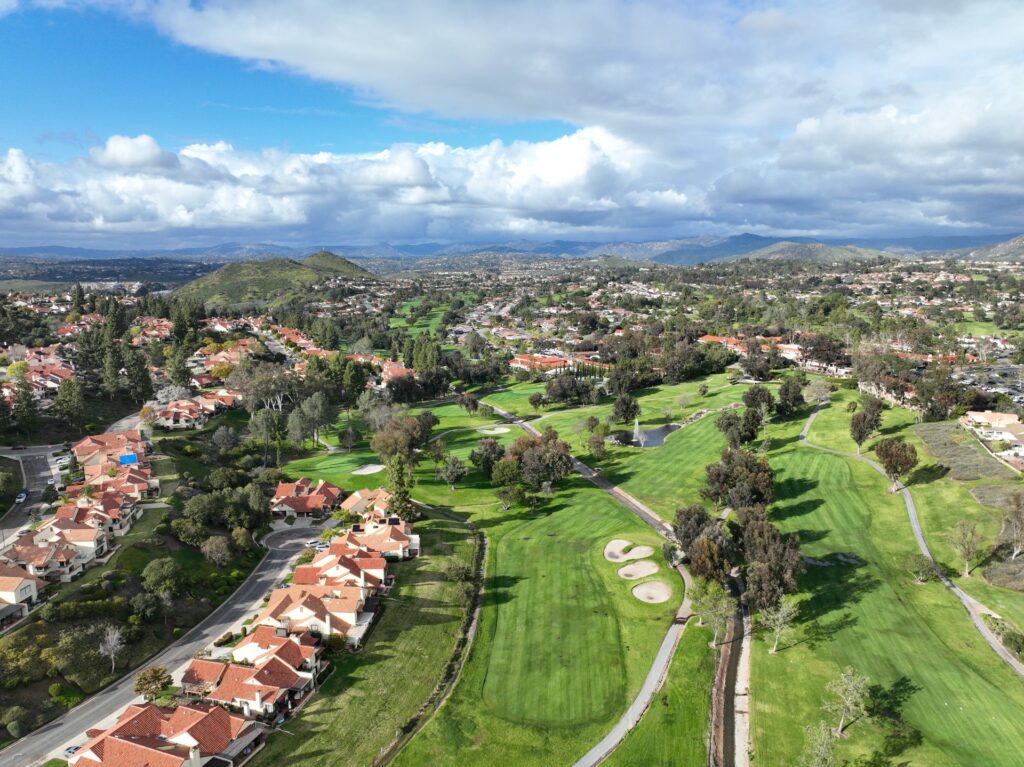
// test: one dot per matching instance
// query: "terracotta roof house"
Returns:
(303, 497)
(19, 590)
(191, 735)
(325, 610)
(300, 651)
(265, 690)
(112, 511)
(362, 502)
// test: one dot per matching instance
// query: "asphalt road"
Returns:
(51, 739)
(35, 465)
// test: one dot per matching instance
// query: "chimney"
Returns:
(194, 756)
(259, 699)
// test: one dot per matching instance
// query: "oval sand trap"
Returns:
(370, 468)
(640, 569)
(494, 430)
(652, 592)
(615, 551)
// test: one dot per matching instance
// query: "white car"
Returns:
(313, 543)
(21, 497)
(71, 751)
(51, 482)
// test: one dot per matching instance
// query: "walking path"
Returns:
(659, 667)
(974, 608)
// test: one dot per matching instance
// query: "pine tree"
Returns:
(400, 480)
(110, 377)
(177, 368)
(26, 411)
(70, 403)
(140, 383)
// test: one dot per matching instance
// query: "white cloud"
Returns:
(850, 116)
(589, 180)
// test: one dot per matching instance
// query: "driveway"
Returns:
(128, 423)
(51, 739)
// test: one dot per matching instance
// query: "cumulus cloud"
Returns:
(590, 180)
(853, 116)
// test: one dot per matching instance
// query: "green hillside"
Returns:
(268, 280)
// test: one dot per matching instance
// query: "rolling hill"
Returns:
(817, 252)
(269, 279)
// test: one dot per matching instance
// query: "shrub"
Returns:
(223, 639)
(65, 696)
(177, 632)
(15, 728)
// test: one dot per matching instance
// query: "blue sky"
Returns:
(178, 122)
(80, 76)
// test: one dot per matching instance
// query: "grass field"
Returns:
(428, 323)
(972, 327)
(372, 693)
(673, 731)
(952, 465)
(562, 645)
(955, 699)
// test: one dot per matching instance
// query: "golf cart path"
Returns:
(974, 608)
(663, 659)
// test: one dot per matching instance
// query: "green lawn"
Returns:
(562, 646)
(957, 699)
(941, 500)
(674, 730)
(428, 323)
(972, 327)
(373, 693)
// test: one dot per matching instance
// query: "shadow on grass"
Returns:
(796, 509)
(885, 706)
(833, 589)
(930, 473)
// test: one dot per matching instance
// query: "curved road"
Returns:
(663, 659)
(974, 608)
(41, 744)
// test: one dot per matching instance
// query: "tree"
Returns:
(400, 480)
(714, 604)
(690, 522)
(791, 397)
(873, 407)
(1013, 525)
(897, 458)
(217, 550)
(536, 400)
(626, 408)
(111, 644)
(241, 538)
(849, 700)
(595, 444)
(299, 426)
(860, 428)
(486, 454)
(26, 411)
(740, 479)
(506, 473)
(778, 620)
(453, 471)
(163, 575)
(708, 557)
(177, 368)
(69, 403)
(759, 396)
(225, 438)
(140, 382)
(318, 412)
(110, 377)
(265, 426)
(152, 681)
(147, 415)
(919, 566)
(817, 747)
(511, 495)
(819, 390)
(966, 541)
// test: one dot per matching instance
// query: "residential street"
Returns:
(53, 738)
(37, 468)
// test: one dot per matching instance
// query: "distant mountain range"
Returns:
(268, 279)
(685, 251)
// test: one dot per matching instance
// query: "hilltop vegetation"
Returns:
(265, 281)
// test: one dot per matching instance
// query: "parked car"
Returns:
(312, 543)
(71, 751)
(51, 482)
(21, 497)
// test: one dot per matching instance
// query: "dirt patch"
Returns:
(957, 450)
(653, 592)
(370, 468)
(637, 570)
(996, 496)
(615, 551)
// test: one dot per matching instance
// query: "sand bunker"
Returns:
(640, 569)
(370, 468)
(494, 430)
(615, 551)
(652, 592)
